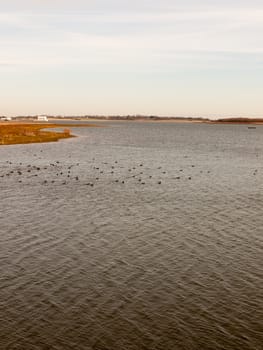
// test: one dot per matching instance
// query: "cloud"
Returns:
(124, 5)
(109, 38)
(119, 39)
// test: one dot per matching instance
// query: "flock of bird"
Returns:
(65, 173)
(93, 172)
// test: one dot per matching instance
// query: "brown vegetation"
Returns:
(240, 121)
(18, 133)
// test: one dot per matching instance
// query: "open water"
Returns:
(133, 236)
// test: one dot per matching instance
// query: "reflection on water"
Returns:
(133, 236)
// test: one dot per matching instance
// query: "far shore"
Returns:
(258, 121)
(139, 118)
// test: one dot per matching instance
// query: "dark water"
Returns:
(169, 259)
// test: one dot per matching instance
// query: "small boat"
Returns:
(251, 127)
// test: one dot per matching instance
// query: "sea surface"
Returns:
(133, 236)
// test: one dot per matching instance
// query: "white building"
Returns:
(42, 118)
(6, 118)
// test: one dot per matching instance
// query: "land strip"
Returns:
(21, 133)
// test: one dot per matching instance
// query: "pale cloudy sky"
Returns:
(165, 57)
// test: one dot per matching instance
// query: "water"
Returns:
(170, 259)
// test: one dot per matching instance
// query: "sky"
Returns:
(117, 57)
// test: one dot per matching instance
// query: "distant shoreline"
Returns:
(258, 121)
(164, 120)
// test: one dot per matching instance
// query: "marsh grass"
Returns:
(11, 134)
